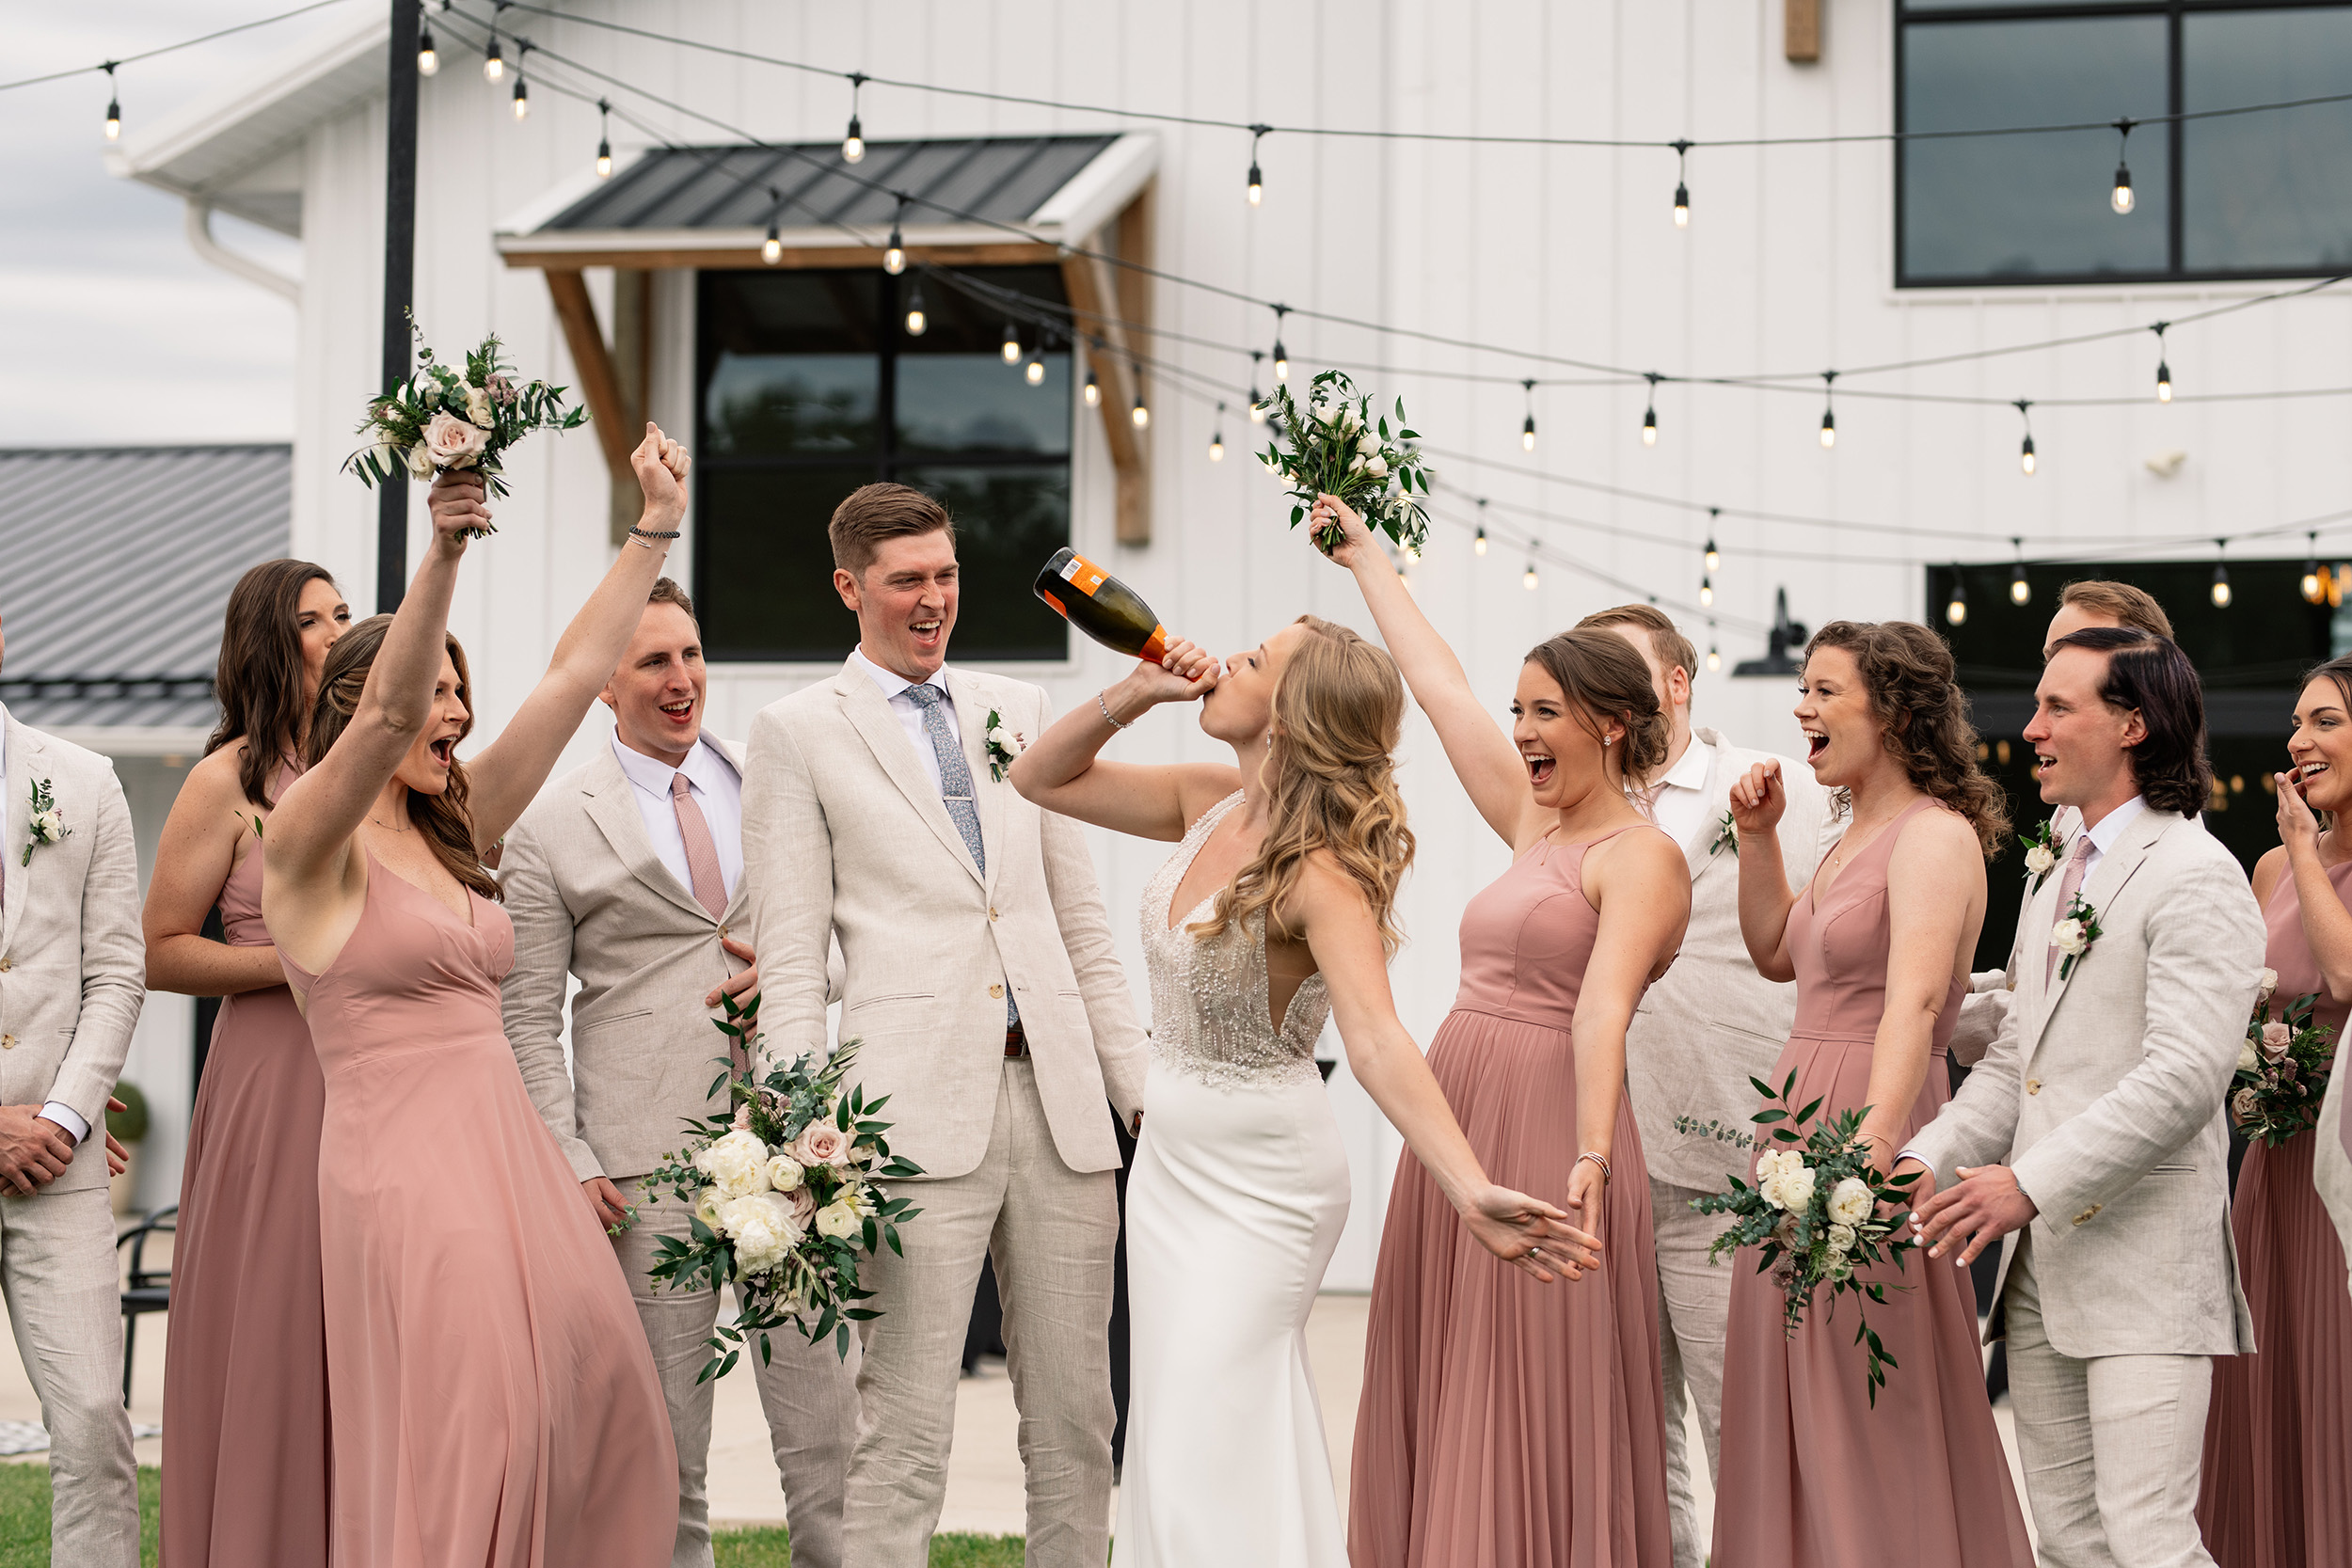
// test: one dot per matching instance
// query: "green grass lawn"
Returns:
(24, 1531)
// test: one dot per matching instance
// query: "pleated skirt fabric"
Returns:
(2277, 1491)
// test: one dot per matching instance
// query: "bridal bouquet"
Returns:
(2281, 1068)
(786, 1198)
(1339, 447)
(1814, 1211)
(439, 420)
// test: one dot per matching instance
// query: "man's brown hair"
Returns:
(1665, 640)
(874, 513)
(2131, 607)
(666, 591)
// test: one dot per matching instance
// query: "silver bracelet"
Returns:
(1106, 714)
(1601, 1159)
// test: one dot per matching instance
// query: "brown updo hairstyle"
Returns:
(259, 678)
(447, 826)
(1602, 675)
(1331, 779)
(1908, 676)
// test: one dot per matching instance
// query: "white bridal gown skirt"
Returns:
(1234, 1206)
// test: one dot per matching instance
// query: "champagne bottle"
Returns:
(1101, 606)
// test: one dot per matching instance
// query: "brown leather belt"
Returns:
(1016, 1041)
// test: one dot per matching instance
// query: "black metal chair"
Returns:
(146, 1289)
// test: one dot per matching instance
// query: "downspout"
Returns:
(200, 239)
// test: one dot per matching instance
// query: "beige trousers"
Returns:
(2111, 1446)
(1051, 1232)
(64, 1304)
(809, 1394)
(1694, 1305)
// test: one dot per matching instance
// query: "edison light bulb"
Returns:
(494, 64)
(1257, 407)
(522, 97)
(1035, 371)
(1649, 427)
(1281, 362)
(1714, 558)
(1682, 206)
(854, 144)
(1257, 186)
(894, 254)
(1478, 544)
(1141, 416)
(1217, 447)
(1093, 389)
(2164, 382)
(604, 160)
(428, 58)
(2221, 588)
(1012, 350)
(918, 323)
(771, 248)
(1956, 612)
(2019, 592)
(1829, 427)
(1714, 659)
(1707, 593)
(2120, 199)
(114, 121)
(2025, 456)
(1530, 577)
(1527, 434)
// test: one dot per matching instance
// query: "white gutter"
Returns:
(200, 239)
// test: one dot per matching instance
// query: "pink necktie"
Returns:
(2068, 886)
(702, 850)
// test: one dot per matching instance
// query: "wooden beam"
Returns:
(633, 364)
(1094, 299)
(615, 422)
(1801, 39)
(747, 259)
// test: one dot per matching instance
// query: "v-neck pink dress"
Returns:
(1814, 1475)
(496, 1405)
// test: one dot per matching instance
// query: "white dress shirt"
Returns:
(2110, 828)
(1678, 804)
(910, 713)
(716, 788)
(54, 1109)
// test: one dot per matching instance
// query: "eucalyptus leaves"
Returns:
(1338, 446)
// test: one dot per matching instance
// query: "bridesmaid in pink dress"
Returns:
(2278, 1474)
(1814, 1474)
(246, 1474)
(1503, 1424)
(495, 1402)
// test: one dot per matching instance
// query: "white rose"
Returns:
(1368, 443)
(1796, 1188)
(1353, 423)
(1377, 468)
(735, 1164)
(2249, 1060)
(821, 1143)
(451, 442)
(420, 462)
(839, 1218)
(1849, 1201)
(1841, 1237)
(1357, 466)
(478, 405)
(2067, 937)
(760, 1226)
(783, 1173)
(2039, 860)
(48, 825)
(707, 1207)
(2269, 984)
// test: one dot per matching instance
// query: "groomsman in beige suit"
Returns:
(982, 978)
(1699, 1036)
(628, 873)
(72, 977)
(2093, 1130)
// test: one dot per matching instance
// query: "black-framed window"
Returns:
(808, 386)
(2242, 196)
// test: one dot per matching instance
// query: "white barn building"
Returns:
(1467, 269)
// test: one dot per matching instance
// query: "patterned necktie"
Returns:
(2071, 885)
(955, 790)
(702, 850)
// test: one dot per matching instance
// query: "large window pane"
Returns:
(2267, 192)
(762, 404)
(763, 566)
(2020, 206)
(974, 402)
(1008, 522)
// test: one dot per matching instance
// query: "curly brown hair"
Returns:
(1907, 673)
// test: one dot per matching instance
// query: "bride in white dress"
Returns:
(1240, 1185)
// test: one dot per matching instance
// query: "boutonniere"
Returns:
(1726, 837)
(48, 824)
(2074, 934)
(1000, 756)
(2044, 849)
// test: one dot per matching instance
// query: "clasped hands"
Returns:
(1986, 1204)
(34, 1152)
(1531, 1234)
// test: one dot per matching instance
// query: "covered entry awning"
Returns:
(975, 201)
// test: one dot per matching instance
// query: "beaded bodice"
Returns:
(1212, 1016)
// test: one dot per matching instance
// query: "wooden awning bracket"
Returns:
(610, 412)
(1103, 299)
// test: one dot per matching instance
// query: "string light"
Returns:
(604, 139)
(2120, 198)
(1829, 409)
(2019, 592)
(2313, 590)
(1217, 436)
(493, 62)
(1956, 608)
(1649, 413)
(114, 104)
(1530, 579)
(1478, 541)
(1526, 431)
(1257, 185)
(1714, 656)
(895, 253)
(428, 58)
(2220, 577)
(1706, 591)
(1093, 389)
(522, 92)
(1682, 189)
(918, 323)
(853, 140)
(1282, 359)
(1034, 372)
(1257, 403)
(2164, 372)
(1012, 350)
(1140, 414)
(2024, 453)
(771, 248)
(1714, 557)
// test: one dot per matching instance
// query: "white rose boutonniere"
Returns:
(46, 823)
(1726, 837)
(1000, 756)
(2269, 985)
(2044, 849)
(2074, 934)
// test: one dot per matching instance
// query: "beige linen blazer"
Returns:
(1711, 1021)
(73, 963)
(588, 896)
(2104, 1093)
(844, 833)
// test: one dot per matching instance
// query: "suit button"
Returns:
(2033, 1086)
(992, 911)
(6, 964)
(2085, 1213)
(996, 991)
(723, 932)
(7, 1042)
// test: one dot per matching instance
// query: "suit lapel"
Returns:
(868, 713)
(19, 816)
(972, 711)
(1717, 796)
(611, 805)
(2107, 879)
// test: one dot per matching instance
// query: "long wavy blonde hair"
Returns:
(1330, 782)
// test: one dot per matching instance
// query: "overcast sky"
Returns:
(111, 330)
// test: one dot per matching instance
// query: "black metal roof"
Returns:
(115, 566)
(994, 179)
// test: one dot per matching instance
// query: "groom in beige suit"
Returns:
(72, 977)
(1699, 1034)
(2093, 1130)
(982, 978)
(628, 874)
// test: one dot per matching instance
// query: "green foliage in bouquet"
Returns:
(2281, 1071)
(1814, 1212)
(439, 420)
(1339, 447)
(787, 1197)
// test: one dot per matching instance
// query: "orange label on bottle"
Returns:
(1083, 574)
